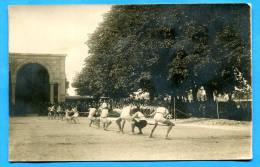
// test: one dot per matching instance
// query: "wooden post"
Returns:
(217, 108)
(174, 109)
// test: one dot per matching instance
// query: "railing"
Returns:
(236, 110)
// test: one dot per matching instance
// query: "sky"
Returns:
(55, 29)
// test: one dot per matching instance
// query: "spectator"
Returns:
(201, 97)
(201, 94)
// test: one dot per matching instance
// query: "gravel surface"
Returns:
(40, 139)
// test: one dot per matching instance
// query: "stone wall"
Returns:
(54, 64)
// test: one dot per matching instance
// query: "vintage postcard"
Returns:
(130, 82)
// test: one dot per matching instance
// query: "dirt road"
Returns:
(40, 139)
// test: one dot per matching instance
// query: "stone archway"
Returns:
(54, 65)
(32, 89)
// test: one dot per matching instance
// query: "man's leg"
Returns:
(103, 123)
(118, 122)
(133, 126)
(61, 116)
(170, 125)
(154, 127)
(97, 120)
(122, 127)
(142, 124)
(108, 122)
(204, 109)
(140, 130)
(90, 123)
(139, 126)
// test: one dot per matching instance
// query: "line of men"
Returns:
(130, 113)
(70, 113)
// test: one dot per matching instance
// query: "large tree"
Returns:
(167, 49)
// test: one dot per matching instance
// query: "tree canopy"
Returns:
(167, 49)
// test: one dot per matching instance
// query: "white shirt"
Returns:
(58, 109)
(74, 109)
(76, 114)
(92, 112)
(104, 113)
(162, 110)
(103, 105)
(126, 112)
(201, 95)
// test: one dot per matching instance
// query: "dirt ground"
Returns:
(40, 139)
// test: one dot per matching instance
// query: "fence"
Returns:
(235, 110)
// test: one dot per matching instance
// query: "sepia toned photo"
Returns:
(130, 82)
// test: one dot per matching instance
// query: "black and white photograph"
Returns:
(140, 82)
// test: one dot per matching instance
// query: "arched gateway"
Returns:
(36, 78)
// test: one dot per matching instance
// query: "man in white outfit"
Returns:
(202, 97)
(160, 115)
(91, 116)
(124, 116)
(75, 116)
(104, 120)
(139, 121)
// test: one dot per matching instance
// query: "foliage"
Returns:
(167, 49)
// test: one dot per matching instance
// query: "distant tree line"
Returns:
(167, 49)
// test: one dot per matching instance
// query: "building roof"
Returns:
(37, 54)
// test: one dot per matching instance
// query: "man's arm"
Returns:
(134, 115)
(153, 113)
